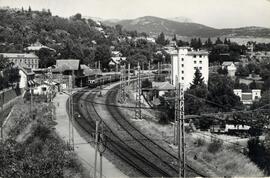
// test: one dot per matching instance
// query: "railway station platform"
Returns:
(84, 151)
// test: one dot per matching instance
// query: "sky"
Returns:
(214, 13)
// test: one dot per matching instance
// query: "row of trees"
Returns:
(8, 73)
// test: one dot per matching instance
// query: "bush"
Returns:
(199, 142)
(163, 118)
(215, 146)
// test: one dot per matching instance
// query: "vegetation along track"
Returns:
(113, 142)
(152, 151)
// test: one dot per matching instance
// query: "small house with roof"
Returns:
(26, 77)
(247, 98)
(162, 87)
(37, 46)
(230, 67)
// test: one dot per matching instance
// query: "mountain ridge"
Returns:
(155, 25)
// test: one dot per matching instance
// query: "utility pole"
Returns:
(176, 114)
(101, 140)
(138, 112)
(181, 132)
(71, 131)
(2, 109)
(123, 84)
(128, 74)
(96, 147)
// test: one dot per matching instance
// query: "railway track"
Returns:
(157, 152)
(114, 143)
(143, 154)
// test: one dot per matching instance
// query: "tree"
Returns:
(266, 84)
(161, 39)
(77, 16)
(223, 71)
(220, 92)
(242, 71)
(46, 57)
(208, 43)
(103, 54)
(3, 62)
(194, 99)
(218, 41)
(174, 38)
(196, 43)
(198, 80)
(182, 43)
(253, 85)
(118, 29)
(263, 101)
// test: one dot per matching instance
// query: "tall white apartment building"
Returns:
(184, 61)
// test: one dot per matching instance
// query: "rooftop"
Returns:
(67, 64)
(163, 85)
(37, 46)
(21, 55)
(227, 63)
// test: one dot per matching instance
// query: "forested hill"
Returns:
(71, 38)
(75, 37)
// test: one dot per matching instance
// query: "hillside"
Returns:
(156, 25)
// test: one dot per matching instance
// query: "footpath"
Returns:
(85, 151)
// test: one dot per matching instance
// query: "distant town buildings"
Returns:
(247, 98)
(185, 61)
(23, 59)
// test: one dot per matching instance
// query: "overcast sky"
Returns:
(215, 13)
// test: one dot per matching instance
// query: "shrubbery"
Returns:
(215, 146)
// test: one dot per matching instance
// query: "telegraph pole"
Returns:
(128, 74)
(176, 113)
(181, 132)
(123, 84)
(2, 109)
(96, 148)
(138, 112)
(71, 131)
(100, 151)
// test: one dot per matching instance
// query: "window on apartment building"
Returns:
(200, 62)
(194, 56)
(195, 68)
(182, 78)
(182, 71)
(200, 68)
(195, 62)
(182, 59)
(200, 56)
(182, 65)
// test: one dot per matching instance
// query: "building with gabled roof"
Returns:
(29, 60)
(229, 65)
(37, 46)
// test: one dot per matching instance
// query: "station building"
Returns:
(184, 62)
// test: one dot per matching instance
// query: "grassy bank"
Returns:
(42, 153)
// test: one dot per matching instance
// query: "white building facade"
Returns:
(184, 61)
